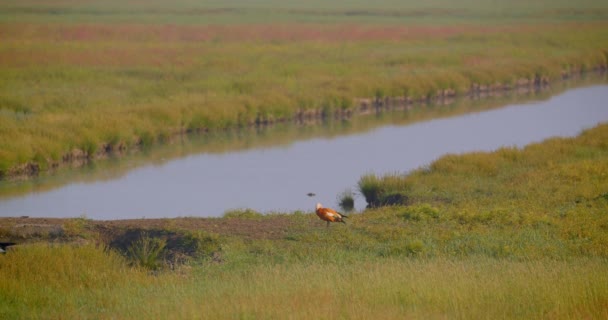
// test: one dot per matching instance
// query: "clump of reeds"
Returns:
(390, 189)
(346, 200)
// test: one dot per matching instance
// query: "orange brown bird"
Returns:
(329, 215)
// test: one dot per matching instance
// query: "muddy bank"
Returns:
(25, 229)
(182, 238)
(78, 157)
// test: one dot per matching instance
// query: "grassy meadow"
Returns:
(511, 234)
(390, 288)
(79, 80)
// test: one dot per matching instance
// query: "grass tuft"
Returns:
(390, 189)
(346, 200)
(146, 251)
(243, 214)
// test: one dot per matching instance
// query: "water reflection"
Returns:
(274, 168)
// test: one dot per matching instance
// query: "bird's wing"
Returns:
(332, 212)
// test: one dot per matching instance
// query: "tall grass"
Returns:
(422, 289)
(82, 282)
(61, 281)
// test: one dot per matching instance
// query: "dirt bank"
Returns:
(24, 229)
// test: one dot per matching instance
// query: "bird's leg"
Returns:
(328, 224)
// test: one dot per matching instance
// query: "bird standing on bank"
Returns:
(329, 215)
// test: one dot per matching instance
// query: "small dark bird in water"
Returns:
(329, 215)
(310, 194)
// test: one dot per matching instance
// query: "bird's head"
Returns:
(319, 206)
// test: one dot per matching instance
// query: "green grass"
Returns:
(83, 79)
(380, 191)
(82, 282)
(510, 234)
(546, 199)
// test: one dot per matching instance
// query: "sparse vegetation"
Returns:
(76, 227)
(243, 214)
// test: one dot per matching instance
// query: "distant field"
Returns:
(244, 12)
(78, 79)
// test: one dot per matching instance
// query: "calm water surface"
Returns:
(278, 178)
